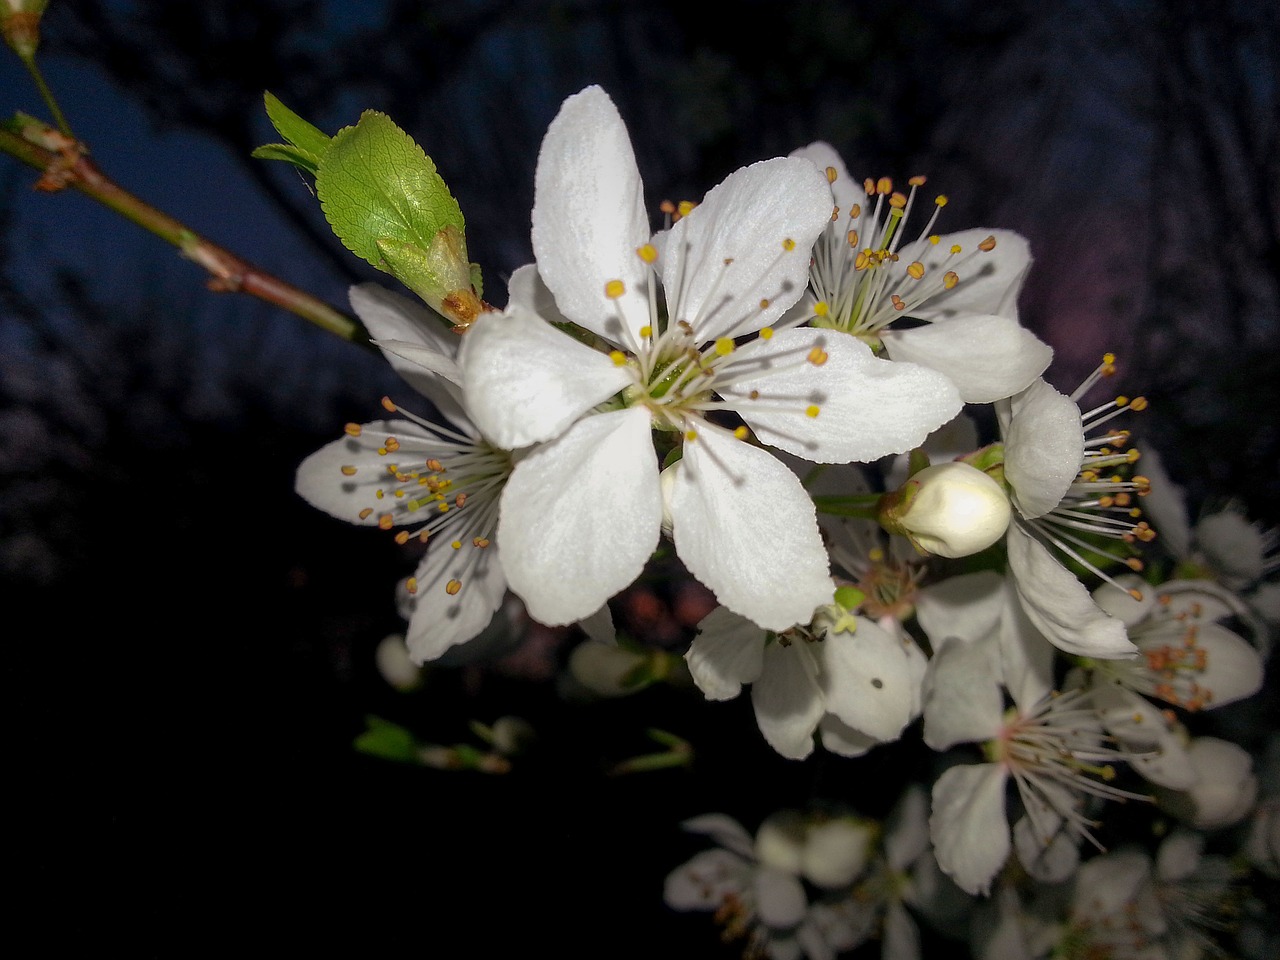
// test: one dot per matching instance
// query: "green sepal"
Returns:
(849, 598)
(862, 505)
(438, 273)
(307, 144)
(990, 460)
(917, 461)
(387, 741)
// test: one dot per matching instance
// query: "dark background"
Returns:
(190, 649)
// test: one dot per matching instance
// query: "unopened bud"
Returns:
(835, 852)
(947, 510)
(20, 23)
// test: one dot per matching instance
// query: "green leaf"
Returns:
(387, 741)
(303, 135)
(376, 185)
(288, 154)
(307, 144)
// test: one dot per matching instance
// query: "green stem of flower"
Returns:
(864, 505)
(63, 163)
(46, 94)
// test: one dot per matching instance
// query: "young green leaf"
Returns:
(306, 143)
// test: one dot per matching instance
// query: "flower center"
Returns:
(863, 276)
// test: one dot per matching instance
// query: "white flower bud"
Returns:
(393, 663)
(835, 852)
(954, 510)
(780, 841)
(603, 668)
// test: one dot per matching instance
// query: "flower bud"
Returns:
(835, 852)
(20, 24)
(394, 664)
(948, 510)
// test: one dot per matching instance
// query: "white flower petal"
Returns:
(968, 825)
(390, 317)
(780, 898)
(962, 698)
(968, 606)
(704, 882)
(526, 289)
(1043, 447)
(589, 217)
(580, 516)
(867, 684)
(1232, 668)
(866, 407)
(727, 652)
(906, 836)
(788, 699)
(724, 830)
(323, 483)
(728, 254)
(901, 937)
(838, 737)
(1232, 546)
(527, 381)
(1059, 605)
(846, 190)
(987, 357)
(740, 518)
(442, 620)
(989, 282)
(1165, 506)
(1047, 861)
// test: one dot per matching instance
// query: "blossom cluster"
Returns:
(785, 383)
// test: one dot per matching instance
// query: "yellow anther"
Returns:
(1108, 359)
(388, 405)
(855, 211)
(457, 544)
(1122, 401)
(460, 500)
(835, 214)
(950, 279)
(724, 346)
(1134, 455)
(916, 270)
(480, 542)
(764, 304)
(366, 513)
(940, 200)
(754, 395)
(378, 494)
(424, 536)
(614, 289)
(391, 445)
(618, 357)
(766, 333)
(934, 240)
(646, 331)
(811, 411)
(869, 187)
(411, 585)
(402, 537)
(1136, 594)
(740, 433)
(875, 555)
(861, 261)
(831, 175)
(452, 587)
(348, 471)
(666, 206)
(788, 244)
(898, 302)
(1139, 404)
(987, 245)
(955, 248)
(1134, 564)
(917, 181)
(884, 185)
(648, 253)
(386, 521)
(686, 207)
(817, 356)
(898, 201)
(820, 309)
(352, 429)
(691, 435)
(852, 237)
